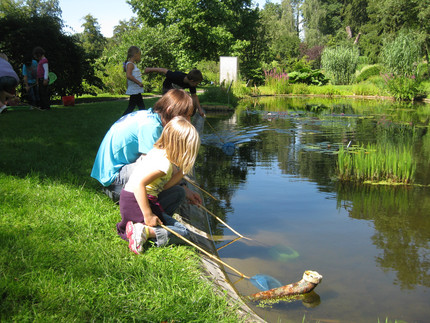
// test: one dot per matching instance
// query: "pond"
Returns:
(279, 187)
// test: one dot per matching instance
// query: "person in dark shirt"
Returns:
(181, 80)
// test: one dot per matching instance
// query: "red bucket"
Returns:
(68, 100)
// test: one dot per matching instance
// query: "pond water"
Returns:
(371, 243)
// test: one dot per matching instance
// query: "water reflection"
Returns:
(371, 243)
(402, 228)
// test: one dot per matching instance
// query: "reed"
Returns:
(377, 163)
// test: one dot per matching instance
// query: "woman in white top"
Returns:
(134, 80)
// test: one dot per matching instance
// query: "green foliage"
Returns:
(339, 63)
(277, 81)
(201, 29)
(219, 94)
(210, 71)
(66, 58)
(402, 55)
(91, 38)
(368, 71)
(308, 76)
(402, 87)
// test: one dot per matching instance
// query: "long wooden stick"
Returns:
(220, 220)
(204, 251)
(195, 185)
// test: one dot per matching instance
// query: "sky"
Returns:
(107, 13)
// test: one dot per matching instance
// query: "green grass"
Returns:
(60, 256)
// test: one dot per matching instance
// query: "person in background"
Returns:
(29, 71)
(182, 81)
(134, 80)
(173, 155)
(42, 77)
(8, 82)
(131, 137)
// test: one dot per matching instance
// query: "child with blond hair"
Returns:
(173, 155)
(134, 80)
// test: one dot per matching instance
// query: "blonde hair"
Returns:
(182, 142)
(174, 103)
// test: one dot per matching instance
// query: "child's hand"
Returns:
(192, 197)
(152, 220)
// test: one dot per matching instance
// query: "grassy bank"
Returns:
(60, 256)
(374, 87)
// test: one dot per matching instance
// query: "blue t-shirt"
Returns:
(132, 135)
(30, 72)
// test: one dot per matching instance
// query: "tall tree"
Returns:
(281, 26)
(388, 17)
(92, 39)
(354, 15)
(313, 13)
(204, 29)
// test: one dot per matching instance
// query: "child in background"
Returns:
(180, 80)
(42, 77)
(173, 155)
(29, 71)
(134, 80)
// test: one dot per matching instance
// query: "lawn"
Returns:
(60, 256)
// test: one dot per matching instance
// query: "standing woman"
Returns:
(134, 80)
(42, 77)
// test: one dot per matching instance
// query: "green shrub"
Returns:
(308, 76)
(423, 71)
(218, 94)
(402, 87)
(210, 71)
(339, 63)
(368, 71)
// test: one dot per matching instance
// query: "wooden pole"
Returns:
(204, 251)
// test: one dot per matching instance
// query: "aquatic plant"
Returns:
(376, 163)
(277, 80)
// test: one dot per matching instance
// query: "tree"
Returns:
(388, 17)
(201, 29)
(66, 58)
(312, 19)
(281, 26)
(92, 39)
(354, 15)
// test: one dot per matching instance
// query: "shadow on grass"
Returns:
(60, 144)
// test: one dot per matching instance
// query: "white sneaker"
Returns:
(137, 235)
(3, 109)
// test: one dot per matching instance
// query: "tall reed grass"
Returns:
(377, 163)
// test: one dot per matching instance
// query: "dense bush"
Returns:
(308, 76)
(218, 94)
(368, 71)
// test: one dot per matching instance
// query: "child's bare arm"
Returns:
(160, 70)
(142, 199)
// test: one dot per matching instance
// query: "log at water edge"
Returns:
(309, 281)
